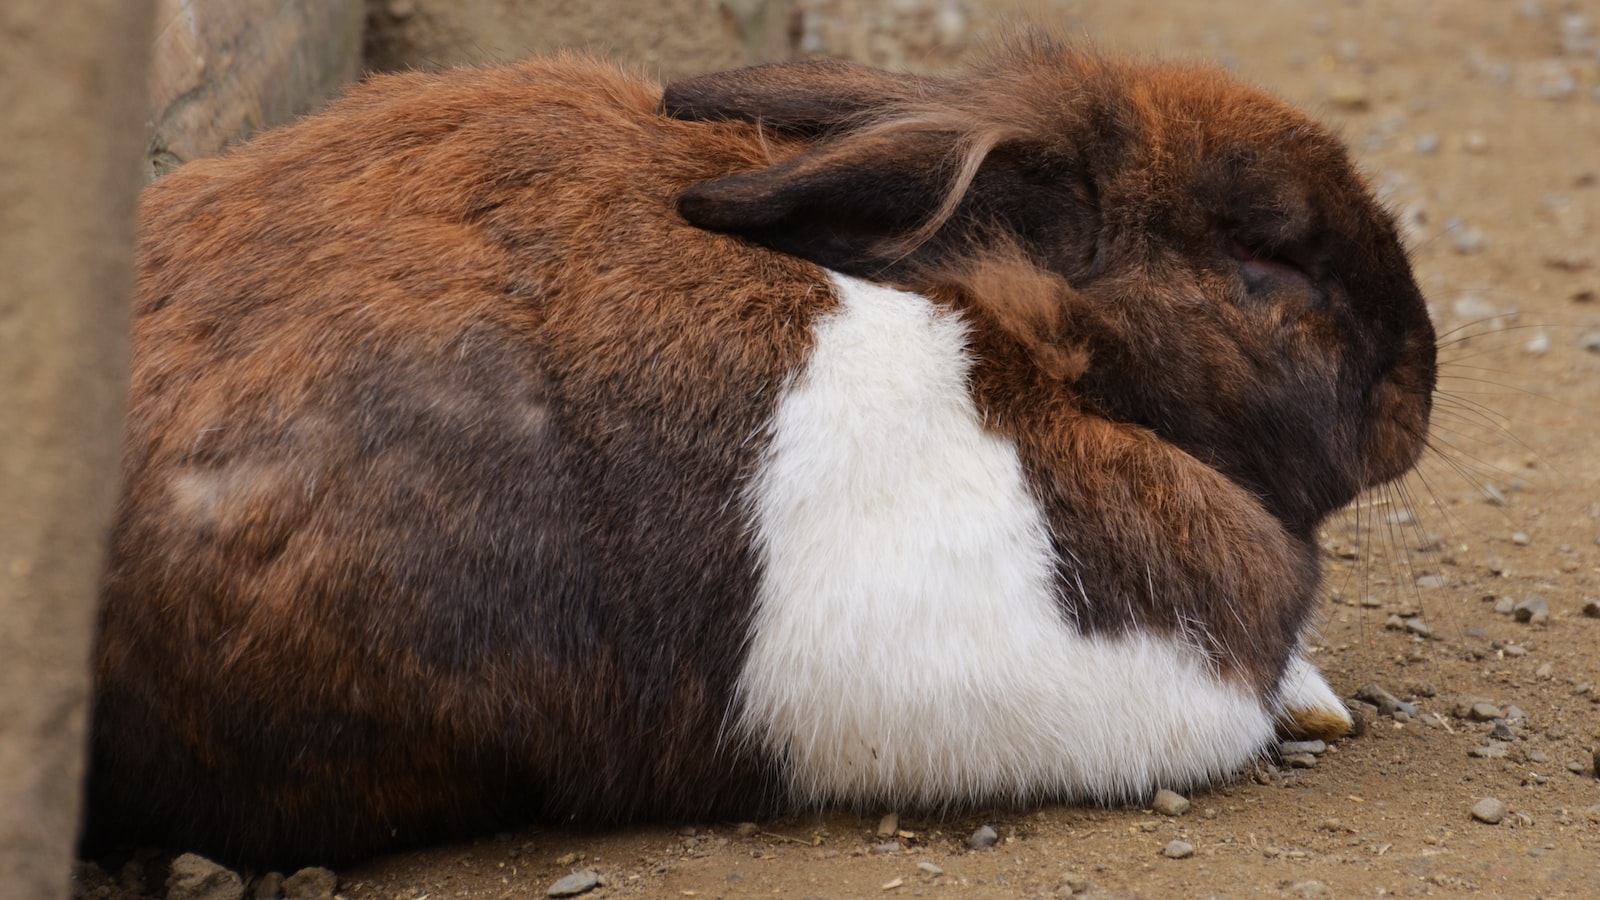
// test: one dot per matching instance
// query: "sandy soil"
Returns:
(1481, 122)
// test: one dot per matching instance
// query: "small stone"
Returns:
(1513, 713)
(888, 825)
(1394, 623)
(1533, 611)
(1178, 850)
(891, 884)
(1428, 582)
(1577, 768)
(567, 859)
(747, 829)
(1311, 890)
(1418, 628)
(1501, 732)
(1471, 307)
(1484, 712)
(1590, 341)
(1505, 606)
(1491, 750)
(929, 869)
(1387, 703)
(194, 877)
(1544, 670)
(887, 847)
(1350, 96)
(1427, 144)
(268, 887)
(1170, 803)
(1475, 142)
(1591, 608)
(1489, 811)
(574, 884)
(1538, 345)
(310, 884)
(1315, 748)
(1308, 761)
(1468, 240)
(1514, 650)
(1493, 495)
(984, 838)
(1521, 539)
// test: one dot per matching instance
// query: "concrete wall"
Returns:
(225, 69)
(71, 93)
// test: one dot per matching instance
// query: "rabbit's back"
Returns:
(437, 413)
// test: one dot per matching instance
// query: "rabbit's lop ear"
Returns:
(905, 194)
(802, 98)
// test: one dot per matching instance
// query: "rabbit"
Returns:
(534, 444)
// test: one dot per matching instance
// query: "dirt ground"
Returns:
(1480, 122)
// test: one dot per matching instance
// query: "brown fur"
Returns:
(440, 414)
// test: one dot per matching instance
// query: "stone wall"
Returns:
(71, 86)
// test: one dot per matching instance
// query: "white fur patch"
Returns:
(907, 646)
(1303, 689)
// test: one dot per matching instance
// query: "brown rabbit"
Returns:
(520, 444)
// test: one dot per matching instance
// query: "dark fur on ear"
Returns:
(806, 99)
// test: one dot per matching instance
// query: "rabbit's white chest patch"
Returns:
(907, 646)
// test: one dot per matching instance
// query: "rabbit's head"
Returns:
(1216, 264)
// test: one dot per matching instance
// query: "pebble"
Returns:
(891, 884)
(1427, 144)
(1505, 606)
(747, 829)
(1591, 608)
(268, 886)
(1471, 307)
(1178, 850)
(310, 884)
(984, 838)
(888, 825)
(1468, 240)
(1475, 142)
(1533, 611)
(1170, 803)
(1432, 581)
(1491, 750)
(1484, 712)
(1493, 495)
(1538, 345)
(887, 847)
(575, 884)
(929, 869)
(1418, 627)
(1489, 811)
(1577, 768)
(1387, 703)
(1315, 748)
(1590, 341)
(1521, 539)
(194, 877)
(1306, 760)
(1350, 96)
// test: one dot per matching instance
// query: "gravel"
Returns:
(984, 838)
(1170, 803)
(1178, 850)
(1489, 811)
